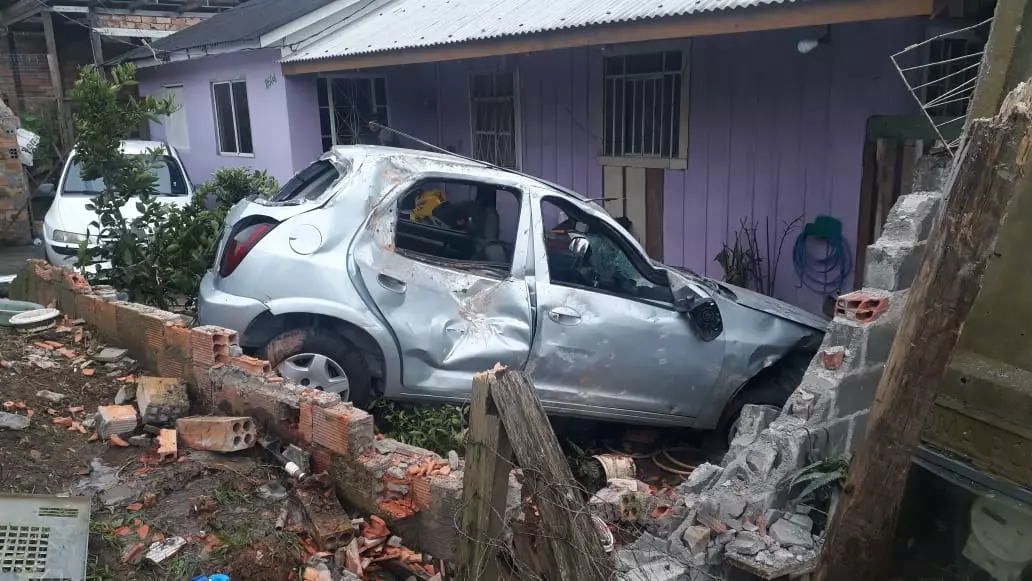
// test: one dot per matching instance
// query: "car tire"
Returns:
(770, 387)
(321, 351)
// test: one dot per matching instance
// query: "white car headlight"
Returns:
(68, 237)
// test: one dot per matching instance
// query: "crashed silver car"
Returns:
(384, 271)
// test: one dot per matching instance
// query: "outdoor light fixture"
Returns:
(807, 45)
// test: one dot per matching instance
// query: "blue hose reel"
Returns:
(821, 256)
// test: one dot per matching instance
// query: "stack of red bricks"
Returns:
(383, 477)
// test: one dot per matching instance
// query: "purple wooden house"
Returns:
(686, 116)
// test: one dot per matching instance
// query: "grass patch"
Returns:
(105, 529)
(226, 495)
(95, 571)
(439, 428)
(182, 567)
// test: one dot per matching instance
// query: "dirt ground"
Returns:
(210, 499)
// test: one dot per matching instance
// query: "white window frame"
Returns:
(329, 98)
(236, 125)
(678, 161)
(517, 117)
(180, 111)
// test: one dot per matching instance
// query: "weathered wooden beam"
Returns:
(95, 41)
(1008, 57)
(19, 11)
(54, 66)
(485, 484)
(547, 480)
(994, 167)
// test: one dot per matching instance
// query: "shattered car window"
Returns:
(464, 223)
(309, 183)
(608, 265)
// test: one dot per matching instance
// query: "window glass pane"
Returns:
(309, 183)
(243, 116)
(505, 85)
(614, 65)
(483, 86)
(672, 61)
(381, 92)
(320, 89)
(644, 63)
(608, 265)
(224, 118)
(170, 180)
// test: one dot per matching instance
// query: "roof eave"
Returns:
(713, 23)
(162, 57)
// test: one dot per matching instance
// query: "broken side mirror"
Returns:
(704, 315)
(579, 246)
(44, 191)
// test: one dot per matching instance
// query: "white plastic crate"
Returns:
(43, 537)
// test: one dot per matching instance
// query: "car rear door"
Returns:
(604, 348)
(451, 317)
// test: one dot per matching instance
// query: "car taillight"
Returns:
(243, 238)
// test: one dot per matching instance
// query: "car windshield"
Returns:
(171, 181)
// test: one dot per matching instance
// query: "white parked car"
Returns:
(67, 223)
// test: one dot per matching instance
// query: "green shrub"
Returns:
(160, 256)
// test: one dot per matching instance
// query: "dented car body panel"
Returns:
(592, 350)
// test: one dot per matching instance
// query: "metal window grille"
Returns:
(347, 105)
(493, 109)
(642, 104)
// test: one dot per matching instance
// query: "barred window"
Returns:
(642, 104)
(493, 112)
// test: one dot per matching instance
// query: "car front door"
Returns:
(609, 341)
(452, 291)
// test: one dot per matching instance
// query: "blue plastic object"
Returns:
(215, 577)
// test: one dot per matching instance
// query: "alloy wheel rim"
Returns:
(318, 372)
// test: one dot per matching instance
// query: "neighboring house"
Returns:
(686, 116)
(46, 41)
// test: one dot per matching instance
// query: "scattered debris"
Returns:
(115, 440)
(110, 355)
(167, 445)
(51, 396)
(161, 550)
(161, 400)
(217, 434)
(141, 441)
(330, 526)
(116, 420)
(14, 421)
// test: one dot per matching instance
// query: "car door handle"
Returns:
(564, 316)
(391, 284)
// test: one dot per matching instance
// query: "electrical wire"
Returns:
(822, 274)
(678, 467)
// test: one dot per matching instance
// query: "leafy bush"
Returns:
(438, 428)
(160, 256)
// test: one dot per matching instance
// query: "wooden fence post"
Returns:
(993, 168)
(484, 486)
(574, 550)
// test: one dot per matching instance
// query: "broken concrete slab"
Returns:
(51, 396)
(747, 543)
(217, 433)
(116, 420)
(141, 441)
(161, 400)
(761, 458)
(13, 421)
(696, 538)
(704, 476)
(665, 569)
(125, 395)
(789, 534)
(110, 355)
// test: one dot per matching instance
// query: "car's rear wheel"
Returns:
(322, 360)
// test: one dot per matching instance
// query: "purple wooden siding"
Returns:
(773, 133)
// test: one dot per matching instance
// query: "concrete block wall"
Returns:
(412, 488)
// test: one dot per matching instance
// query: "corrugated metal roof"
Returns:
(404, 24)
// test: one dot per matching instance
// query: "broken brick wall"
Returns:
(413, 489)
(14, 197)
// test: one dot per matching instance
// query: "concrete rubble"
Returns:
(742, 513)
